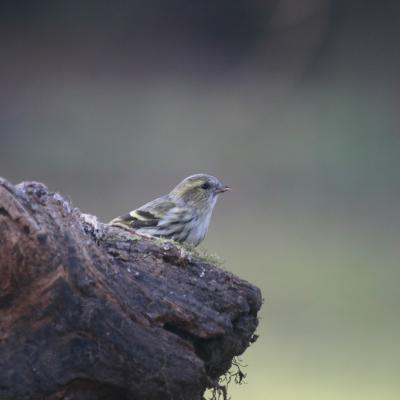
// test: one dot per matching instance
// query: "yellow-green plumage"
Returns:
(182, 215)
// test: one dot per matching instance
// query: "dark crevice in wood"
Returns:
(4, 212)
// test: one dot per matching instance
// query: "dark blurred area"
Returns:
(293, 104)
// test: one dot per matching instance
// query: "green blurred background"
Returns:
(294, 104)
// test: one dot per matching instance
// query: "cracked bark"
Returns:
(89, 311)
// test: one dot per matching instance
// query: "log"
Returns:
(89, 311)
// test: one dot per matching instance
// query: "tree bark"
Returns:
(89, 311)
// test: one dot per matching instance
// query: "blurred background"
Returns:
(295, 105)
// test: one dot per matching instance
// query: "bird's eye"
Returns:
(205, 186)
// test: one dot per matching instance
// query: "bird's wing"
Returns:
(148, 215)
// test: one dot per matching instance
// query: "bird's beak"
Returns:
(223, 189)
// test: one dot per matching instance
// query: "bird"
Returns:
(182, 215)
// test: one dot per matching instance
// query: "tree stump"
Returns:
(89, 311)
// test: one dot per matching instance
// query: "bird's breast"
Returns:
(197, 230)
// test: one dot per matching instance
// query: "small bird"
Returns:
(182, 215)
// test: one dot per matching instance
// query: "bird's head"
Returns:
(200, 190)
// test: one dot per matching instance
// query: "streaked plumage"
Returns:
(182, 215)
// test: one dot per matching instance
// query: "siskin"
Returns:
(182, 215)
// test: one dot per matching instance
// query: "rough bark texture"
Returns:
(89, 311)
